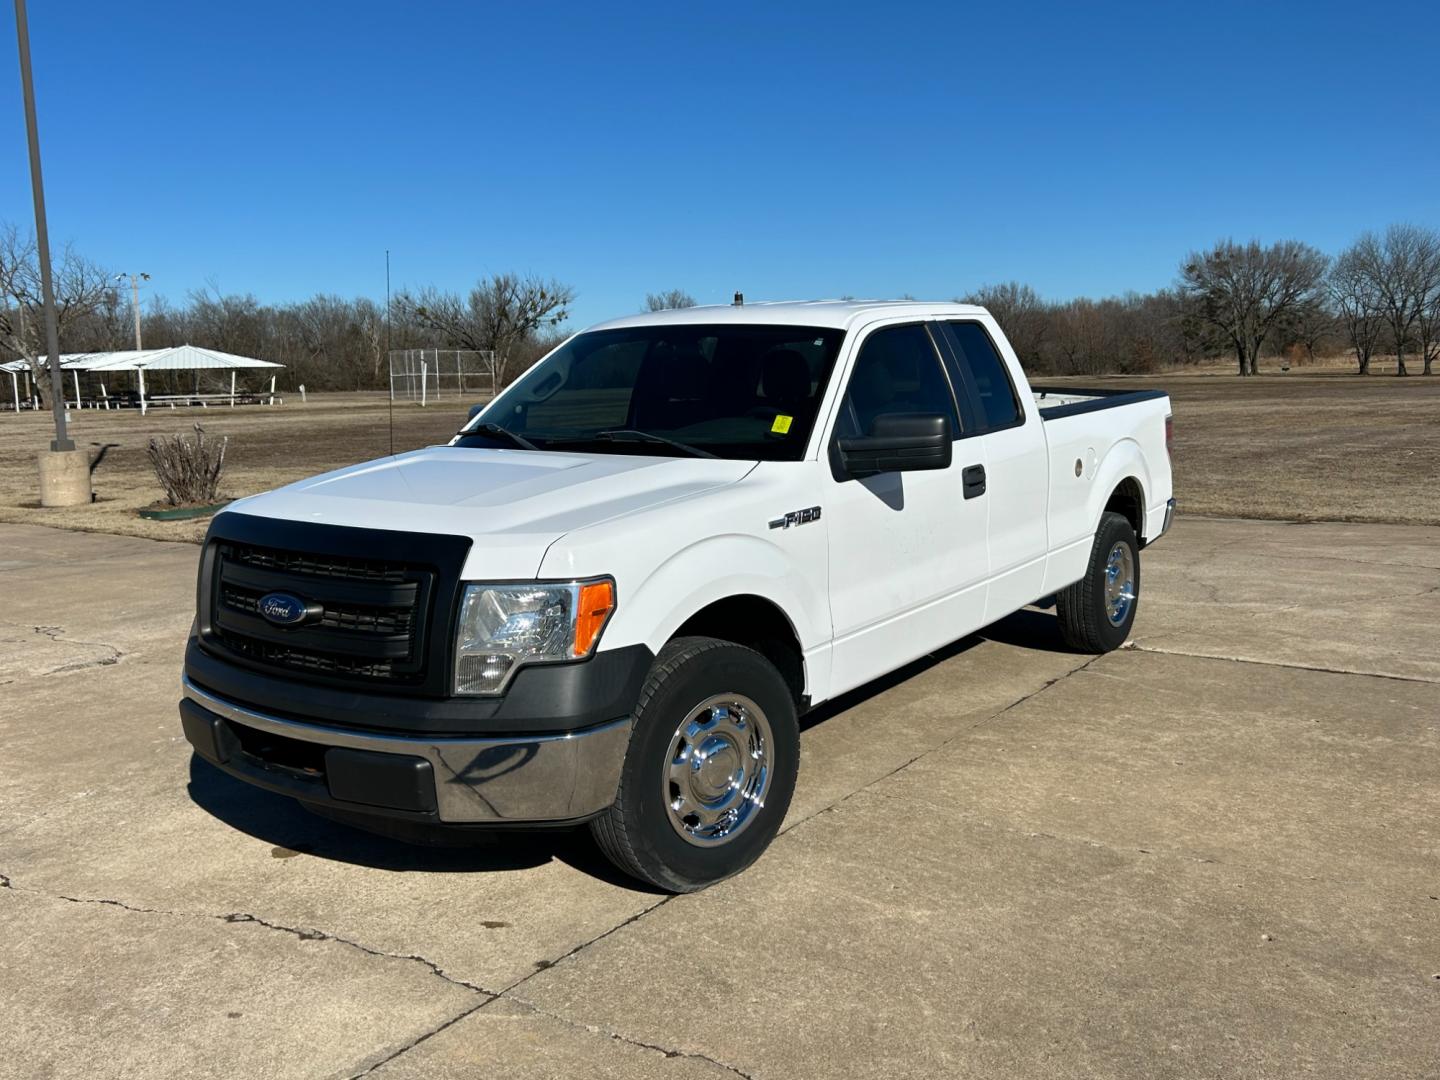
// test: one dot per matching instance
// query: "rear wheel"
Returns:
(1097, 612)
(710, 769)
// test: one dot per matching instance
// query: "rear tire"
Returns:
(1097, 612)
(710, 768)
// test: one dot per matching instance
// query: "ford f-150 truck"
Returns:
(611, 596)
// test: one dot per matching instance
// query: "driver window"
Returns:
(897, 371)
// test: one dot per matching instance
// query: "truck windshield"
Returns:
(725, 390)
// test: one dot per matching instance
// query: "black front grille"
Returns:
(306, 659)
(294, 562)
(366, 621)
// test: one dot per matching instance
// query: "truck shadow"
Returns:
(1025, 629)
(293, 830)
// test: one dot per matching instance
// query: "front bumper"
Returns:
(549, 778)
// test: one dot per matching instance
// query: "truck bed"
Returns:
(1057, 401)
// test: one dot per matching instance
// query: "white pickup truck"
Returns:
(611, 596)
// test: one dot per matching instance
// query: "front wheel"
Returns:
(710, 768)
(1097, 612)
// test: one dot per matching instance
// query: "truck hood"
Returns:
(512, 503)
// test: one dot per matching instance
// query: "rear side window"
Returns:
(981, 367)
(897, 371)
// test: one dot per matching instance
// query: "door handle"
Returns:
(973, 480)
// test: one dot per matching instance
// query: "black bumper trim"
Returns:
(541, 698)
(363, 780)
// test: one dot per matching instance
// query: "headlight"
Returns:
(504, 627)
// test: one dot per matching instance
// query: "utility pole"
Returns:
(42, 236)
(135, 280)
(64, 471)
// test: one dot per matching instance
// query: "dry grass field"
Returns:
(1316, 444)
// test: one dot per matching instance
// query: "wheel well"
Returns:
(757, 624)
(1128, 500)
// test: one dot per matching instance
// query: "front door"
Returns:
(908, 553)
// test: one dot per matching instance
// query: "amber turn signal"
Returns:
(597, 601)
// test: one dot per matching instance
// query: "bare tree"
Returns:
(1306, 327)
(668, 300)
(1401, 268)
(1245, 290)
(81, 291)
(1082, 337)
(500, 313)
(1427, 322)
(1357, 303)
(1021, 314)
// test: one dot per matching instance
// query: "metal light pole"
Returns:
(64, 471)
(62, 440)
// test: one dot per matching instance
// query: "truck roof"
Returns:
(834, 313)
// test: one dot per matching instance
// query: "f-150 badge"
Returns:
(797, 517)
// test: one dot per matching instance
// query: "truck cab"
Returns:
(610, 597)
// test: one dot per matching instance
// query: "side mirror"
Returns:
(898, 442)
(475, 410)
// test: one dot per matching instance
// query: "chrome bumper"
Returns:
(1169, 517)
(535, 778)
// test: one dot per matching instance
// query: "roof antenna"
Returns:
(739, 300)
(389, 352)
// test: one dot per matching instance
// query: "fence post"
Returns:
(424, 386)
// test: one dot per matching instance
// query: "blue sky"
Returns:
(787, 150)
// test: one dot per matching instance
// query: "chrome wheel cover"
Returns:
(718, 770)
(1119, 583)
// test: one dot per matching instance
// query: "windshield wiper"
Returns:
(503, 432)
(636, 435)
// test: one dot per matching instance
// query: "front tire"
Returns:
(1097, 612)
(710, 768)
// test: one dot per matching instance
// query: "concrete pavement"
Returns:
(1216, 852)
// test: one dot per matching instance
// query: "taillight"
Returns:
(1170, 436)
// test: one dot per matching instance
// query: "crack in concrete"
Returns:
(244, 917)
(53, 633)
(321, 935)
(489, 996)
(548, 964)
(597, 1029)
(422, 1037)
(1134, 646)
(503, 994)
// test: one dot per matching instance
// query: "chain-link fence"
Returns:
(421, 375)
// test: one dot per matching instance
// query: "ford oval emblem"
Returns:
(282, 609)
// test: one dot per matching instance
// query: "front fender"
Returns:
(715, 568)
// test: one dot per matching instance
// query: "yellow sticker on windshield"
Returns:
(781, 425)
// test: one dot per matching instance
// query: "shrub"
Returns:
(188, 468)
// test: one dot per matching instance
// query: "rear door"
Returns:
(908, 558)
(1016, 463)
